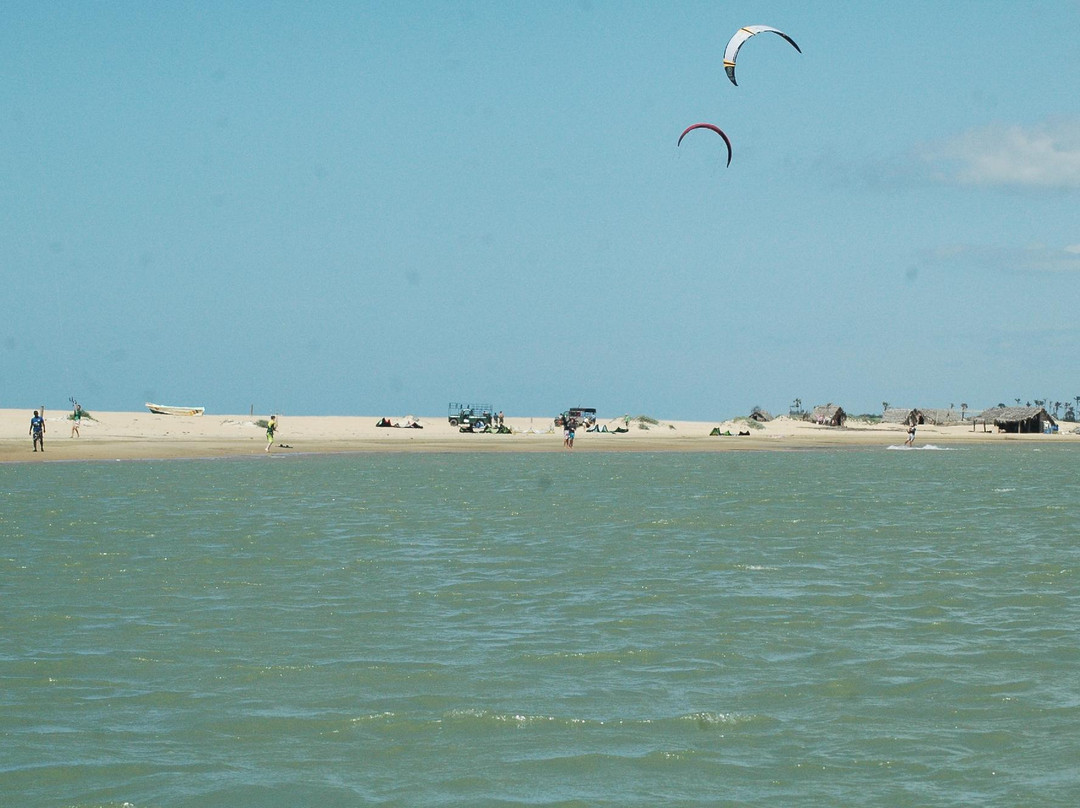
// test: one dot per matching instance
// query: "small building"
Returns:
(942, 417)
(902, 415)
(760, 415)
(1019, 419)
(829, 415)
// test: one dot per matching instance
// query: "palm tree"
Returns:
(963, 409)
(884, 406)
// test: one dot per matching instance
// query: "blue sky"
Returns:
(378, 207)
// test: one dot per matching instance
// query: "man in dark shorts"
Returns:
(37, 431)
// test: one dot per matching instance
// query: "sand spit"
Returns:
(141, 435)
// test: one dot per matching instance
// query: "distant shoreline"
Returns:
(143, 436)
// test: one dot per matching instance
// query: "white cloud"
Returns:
(1043, 156)
(1033, 258)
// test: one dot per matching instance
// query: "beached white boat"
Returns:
(161, 409)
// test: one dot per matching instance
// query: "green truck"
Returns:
(581, 416)
(467, 415)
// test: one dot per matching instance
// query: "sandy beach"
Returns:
(142, 435)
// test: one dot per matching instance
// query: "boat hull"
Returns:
(162, 409)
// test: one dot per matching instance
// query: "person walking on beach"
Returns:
(37, 431)
(271, 427)
(76, 417)
(910, 435)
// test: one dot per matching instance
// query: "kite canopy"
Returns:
(711, 127)
(736, 42)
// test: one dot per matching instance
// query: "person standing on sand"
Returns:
(37, 431)
(271, 427)
(76, 417)
(568, 439)
(910, 435)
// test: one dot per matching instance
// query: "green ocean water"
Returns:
(814, 628)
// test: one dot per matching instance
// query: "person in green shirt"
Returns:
(271, 427)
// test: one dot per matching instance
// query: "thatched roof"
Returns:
(900, 415)
(827, 409)
(761, 415)
(1011, 414)
(931, 415)
(1017, 419)
(831, 414)
(942, 417)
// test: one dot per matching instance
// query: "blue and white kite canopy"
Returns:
(736, 42)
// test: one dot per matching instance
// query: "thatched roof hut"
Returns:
(829, 415)
(901, 415)
(942, 417)
(760, 415)
(1018, 419)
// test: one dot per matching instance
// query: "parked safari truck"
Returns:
(469, 414)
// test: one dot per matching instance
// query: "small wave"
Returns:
(709, 720)
(928, 447)
(607, 656)
(463, 717)
(513, 719)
